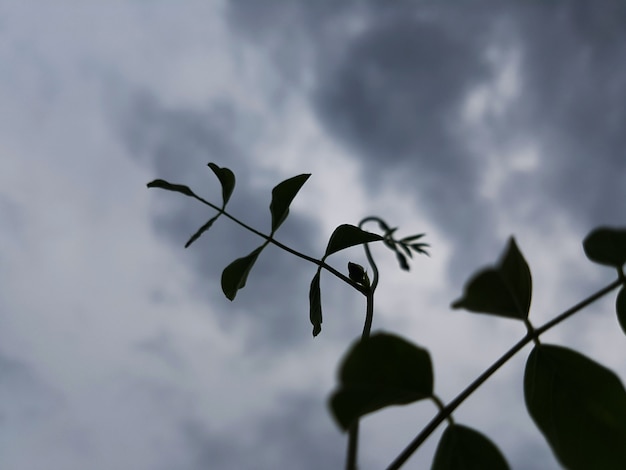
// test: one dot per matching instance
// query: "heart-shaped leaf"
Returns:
(227, 180)
(620, 307)
(315, 304)
(347, 235)
(504, 290)
(236, 273)
(606, 245)
(282, 195)
(463, 448)
(579, 406)
(179, 188)
(380, 371)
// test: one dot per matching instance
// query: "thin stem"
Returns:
(353, 446)
(353, 433)
(368, 253)
(445, 412)
(288, 249)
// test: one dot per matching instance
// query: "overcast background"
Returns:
(470, 121)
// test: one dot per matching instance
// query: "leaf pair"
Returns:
(504, 290)
(579, 406)
(227, 180)
(235, 275)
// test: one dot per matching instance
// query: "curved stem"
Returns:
(445, 412)
(353, 433)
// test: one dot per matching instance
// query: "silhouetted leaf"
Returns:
(419, 248)
(282, 195)
(179, 188)
(236, 273)
(579, 406)
(347, 235)
(227, 180)
(315, 304)
(404, 264)
(356, 272)
(462, 448)
(380, 371)
(201, 230)
(505, 290)
(606, 245)
(412, 238)
(620, 307)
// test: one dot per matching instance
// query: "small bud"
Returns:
(356, 272)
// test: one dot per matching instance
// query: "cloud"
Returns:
(297, 433)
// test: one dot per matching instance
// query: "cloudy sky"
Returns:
(470, 122)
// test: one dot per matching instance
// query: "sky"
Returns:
(470, 121)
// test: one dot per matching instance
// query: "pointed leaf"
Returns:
(516, 274)
(347, 235)
(505, 290)
(282, 195)
(620, 307)
(236, 273)
(412, 238)
(315, 304)
(201, 230)
(579, 406)
(419, 248)
(606, 245)
(462, 448)
(380, 371)
(179, 188)
(227, 180)
(406, 249)
(404, 264)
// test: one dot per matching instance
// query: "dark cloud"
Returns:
(574, 87)
(393, 88)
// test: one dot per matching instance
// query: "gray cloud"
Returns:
(298, 434)
(393, 89)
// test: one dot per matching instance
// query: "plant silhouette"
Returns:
(578, 405)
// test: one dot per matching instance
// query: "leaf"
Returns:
(227, 180)
(404, 264)
(315, 304)
(504, 290)
(201, 230)
(606, 245)
(620, 307)
(579, 406)
(380, 371)
(282, 195)
(411, 238)
(462, 448)
(236, 273)
(347, 235)
(179, 188)
(419, 248)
